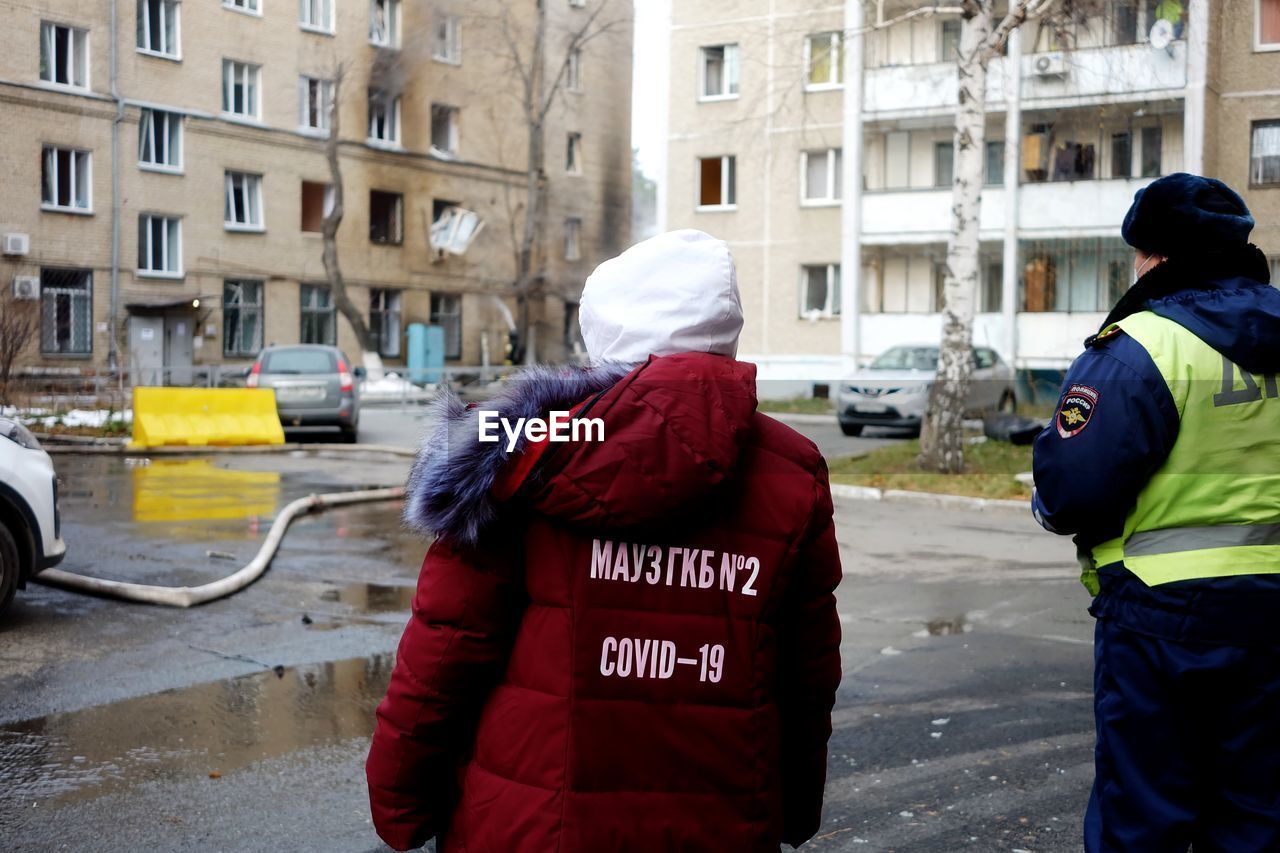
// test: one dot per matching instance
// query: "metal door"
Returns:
(146, 350)
(178, 332)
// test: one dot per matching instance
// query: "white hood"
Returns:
(677, 292)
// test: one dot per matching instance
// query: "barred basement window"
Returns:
(158, 27)
(159, 245)
(384, 321)
(64, 55)
(66, 312)
(319, 323)
(446, 312)
(160, 140)
(66, 180)
(241, 317)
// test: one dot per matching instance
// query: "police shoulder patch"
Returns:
(1076, 410)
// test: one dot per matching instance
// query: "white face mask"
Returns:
(1142, 268)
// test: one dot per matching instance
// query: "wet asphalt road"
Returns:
(963, 721)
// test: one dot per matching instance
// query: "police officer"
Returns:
(1163, 459)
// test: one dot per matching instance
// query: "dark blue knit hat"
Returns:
(1182, 213)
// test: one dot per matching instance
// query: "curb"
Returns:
(944, 501)
(213, 450)
(801, 417)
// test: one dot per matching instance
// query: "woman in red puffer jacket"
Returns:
(627, 644)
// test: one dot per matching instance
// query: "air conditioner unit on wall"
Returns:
(1050, 65)
(17, 244)
(26, 287)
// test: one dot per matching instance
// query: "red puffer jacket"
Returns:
(626, 645)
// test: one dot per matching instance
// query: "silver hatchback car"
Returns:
(314, 384)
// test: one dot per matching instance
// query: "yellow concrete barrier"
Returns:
(198, 417)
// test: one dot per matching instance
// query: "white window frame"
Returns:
(308, 10)
(77, 59)
(81, 180)
(170, 127)
(450, 51)
(391, 38)
(573, 71)
(1255, 173)
(250, 187)
(1259, 46)
(252, 83)
(244, 7)
(837, 52)
(391, 120)
(578, 4)
(573, 153)
(79, 301)
(242, 308)
(167, 8)
(170, 248)
(454, 113)
(726, 170)
(386, 303)
(832, 198)
(322, 120)
(735, 65)
(573, 238)
(831, 310)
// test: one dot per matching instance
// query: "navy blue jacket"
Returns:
(1087, 483)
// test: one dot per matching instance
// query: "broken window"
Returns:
(64, 55)
(159, 245)
(573, 154)
(720, 71)
(453, 228)
(66, 311)
(447, 39)
(158, 26)
(820, 290)
(241, 317)
(823, 60)
(315, 103)
(317, 201)
(444, 129)
(65, 179)
(446, 312)
(573, 239)
(160, 139)
(386, 217)
(384, 22)
(384, 321)
(822, 175)
(319, 324)
(316, 15)
(240, 88)
(243, 208)
(384, 117)
(717, 184)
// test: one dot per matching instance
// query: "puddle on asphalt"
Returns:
(190, 733)
(372, 597)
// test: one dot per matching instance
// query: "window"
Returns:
(939, 287)
(250, 6)
(573, 239)
(578, 4)
(240, 88)
(820, 290)
(573, 154)
(160, 140)
(159, 245)
(66, 180)
(994, 164)
(241, 317)
(1081, 275)
(823, 61)
(949, 41)
(1151, 139)
(66, 312)
(944, 161)
(315, 103)
(573, 70)
(158, 27)
(384, 117)
(992, 271)
(1122, 155)
(319, 323)
(64, 55)
(1267, 25)
(444, 129)
(446, 312)
(384, 22)
(822, 175)
(386, 217)
(720, 71)
(1264, 159)
(717, 183)
(316, 15)
(317, 201)
(384, 321)
(447, 40)
(243, 210)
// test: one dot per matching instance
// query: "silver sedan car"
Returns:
(315, 385)
(893, 390)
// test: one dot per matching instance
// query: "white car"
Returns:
(893, 390)
(30, 528)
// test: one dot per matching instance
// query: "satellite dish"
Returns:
(1161, 34)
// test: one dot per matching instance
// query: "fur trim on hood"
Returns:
(449, 490)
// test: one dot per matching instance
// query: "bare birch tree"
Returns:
(19, 326)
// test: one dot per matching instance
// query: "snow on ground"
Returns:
(394, 387)
(73, 418)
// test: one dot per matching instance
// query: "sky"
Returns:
(648, 88)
